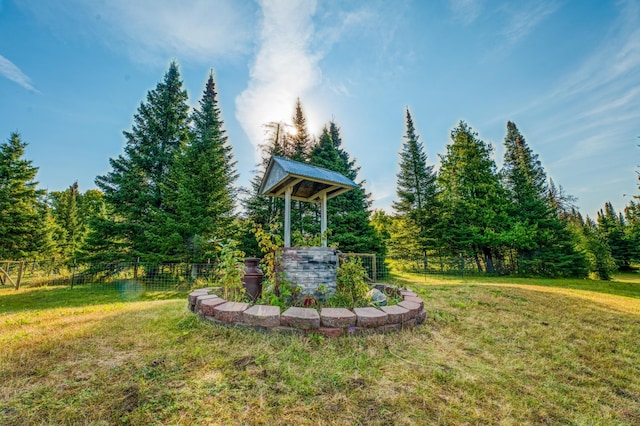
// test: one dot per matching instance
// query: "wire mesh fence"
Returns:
(375, 265)
(444, 265)
(152, 276)
(165, 276)
(149, 276)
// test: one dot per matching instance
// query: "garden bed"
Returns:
(329, 322)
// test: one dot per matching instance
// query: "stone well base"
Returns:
(311, 267)
(329, 322)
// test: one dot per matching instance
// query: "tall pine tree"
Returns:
(593, 245)
(140, 188)
(612, 227)
(206, 174)
(474, 214)
(347, 214)
(67, 217)
(295, 145)
(300, 140)
(21, 221)
(416, 189)
(543, 244)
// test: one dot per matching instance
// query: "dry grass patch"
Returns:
(510, 353)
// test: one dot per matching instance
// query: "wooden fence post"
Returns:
(3, 268)
(375, 274)
(20, 271)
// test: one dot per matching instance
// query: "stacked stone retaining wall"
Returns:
(311, 267)
(329, 322)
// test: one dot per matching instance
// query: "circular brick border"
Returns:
(330, 322)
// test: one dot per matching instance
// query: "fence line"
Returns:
(153, 276)
(163, 276)
(5, 272)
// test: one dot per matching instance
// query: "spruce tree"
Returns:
(21, 221)
(67, 217)
(474, 215)
(632, 229)
(348, 214)
(416, 188)
(294, 145)
(259, 208)
(298, 147)
(612, 227)
(72, 211)
(300, 140)
(592, 244)
(140, 188)
(205, 176)
(537, 233)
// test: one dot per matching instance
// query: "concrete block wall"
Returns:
(311, 267)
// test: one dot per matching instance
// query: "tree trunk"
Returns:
(478, 264)
(488, 259)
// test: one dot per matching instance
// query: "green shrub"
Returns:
(351, 284)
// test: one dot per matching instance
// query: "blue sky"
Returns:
(73, 73)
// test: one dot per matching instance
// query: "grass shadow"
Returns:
(624, 284)
(40, 298)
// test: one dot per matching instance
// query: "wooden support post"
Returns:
(287, 216)
(323, 219)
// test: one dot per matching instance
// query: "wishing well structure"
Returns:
(307, 267)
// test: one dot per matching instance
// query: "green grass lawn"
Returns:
(493, 351)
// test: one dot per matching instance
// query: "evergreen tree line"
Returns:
(171, 196)
(513, 220)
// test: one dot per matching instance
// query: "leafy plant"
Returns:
(270, 244)
(230, 270)
(351, 283)
(305, 240)
(284, 299)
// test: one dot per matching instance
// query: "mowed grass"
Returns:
(493, 351)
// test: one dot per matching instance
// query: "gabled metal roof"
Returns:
(309, 182)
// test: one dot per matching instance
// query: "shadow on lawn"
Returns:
(27, 299)
(626, 285)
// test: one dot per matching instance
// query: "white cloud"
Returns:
(284, 67)
(465, 11)
(522, 22)
(152, 30)
(9, 70)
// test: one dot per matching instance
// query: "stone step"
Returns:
(337, 317)
(412, 307)
(303, 318)
(414, 299)
(207, 306)
(397, 314)
(230, 311)
(370, 317)
(408, 293)
(194, 294)
(202, 298)
(262, 316)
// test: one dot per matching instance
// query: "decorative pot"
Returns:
(252, 280)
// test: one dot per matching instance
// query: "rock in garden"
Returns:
(377, 297)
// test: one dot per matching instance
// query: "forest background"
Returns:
(171, 196)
